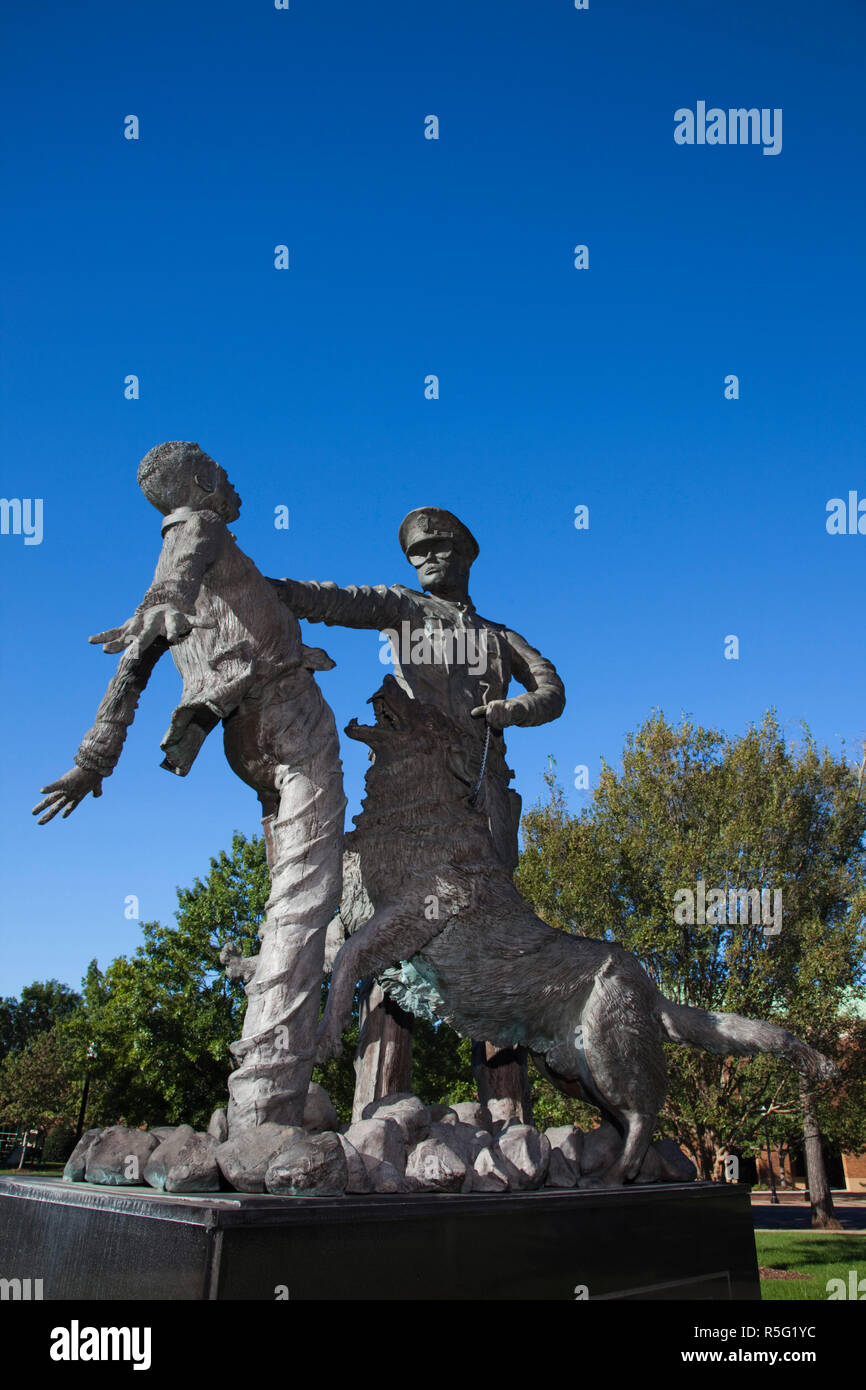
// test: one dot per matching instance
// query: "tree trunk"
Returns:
(383, 1061)
(501, 1074)
(823, 1215)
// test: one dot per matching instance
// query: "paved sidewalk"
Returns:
(793, 1214)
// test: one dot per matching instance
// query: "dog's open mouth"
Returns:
(387, 717)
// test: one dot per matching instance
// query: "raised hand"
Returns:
(67, 792)
(145, 626)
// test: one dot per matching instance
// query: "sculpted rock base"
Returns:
(184, 1162)
(435, 1166)
(566, 1149)
(525, 1156)
(380, 1139)
(245, 1159)
(76, 1163)
(118, 1157)
(358, 1180)
(401, 1145)
(313, 1165)
(410, 1113)
(319, 1113)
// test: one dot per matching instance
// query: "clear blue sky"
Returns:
(409, 257)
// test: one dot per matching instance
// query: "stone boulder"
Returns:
(185, 1162)
(218, 1125)
(434, 1166)
(164, 1132)
(438, 1113)
(489, 1173)
(244, 1159)
(76, 1163)
(502, 1111)
(673, 1164)
(384, 1177)
(525, 1156)
(119, 1157)
(601, 1147)
(566, 1146)
(380, 1139)
(463, 1139)
(319, 1113)
(356, 1168)
(411, 1114)
(472, 1112)
(312, 1165)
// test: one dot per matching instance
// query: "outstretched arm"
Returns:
(101, 746)
(191, 544)
(353, 606)
(545, 694)
(192, 541)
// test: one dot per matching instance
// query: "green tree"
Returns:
(693, 805)
(40, 1006)
(39, 1087)
(161, 1022)
(441, 1064)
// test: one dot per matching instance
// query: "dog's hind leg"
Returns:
(625, 1060)
(638, 1131)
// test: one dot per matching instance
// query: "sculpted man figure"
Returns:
(444, 653)
(239, 652)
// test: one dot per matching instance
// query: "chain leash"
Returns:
(477, 788)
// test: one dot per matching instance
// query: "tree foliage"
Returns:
(39, 1087)
(40, 1006)
(161, 1021)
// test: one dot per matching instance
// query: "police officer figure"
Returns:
(445, 653)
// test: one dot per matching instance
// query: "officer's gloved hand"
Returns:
(499, 713)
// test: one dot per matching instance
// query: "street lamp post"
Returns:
(774, 1196)
(91, 1053)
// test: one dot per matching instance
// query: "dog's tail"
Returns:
(734, 1036)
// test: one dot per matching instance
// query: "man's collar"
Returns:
(465, 605)
(176, 517)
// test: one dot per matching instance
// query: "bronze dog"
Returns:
(475, 954)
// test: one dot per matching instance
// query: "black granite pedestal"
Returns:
(677, 1241)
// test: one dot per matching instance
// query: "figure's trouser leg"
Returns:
(502, 1073)
(304, 843)
(383, 1061)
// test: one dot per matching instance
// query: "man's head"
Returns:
(441, 549)
(180, 474)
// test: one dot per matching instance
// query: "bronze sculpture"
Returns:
(240, 655)
(429, 891)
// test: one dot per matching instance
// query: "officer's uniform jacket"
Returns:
(445, 653)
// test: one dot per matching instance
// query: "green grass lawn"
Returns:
(817, 1257)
